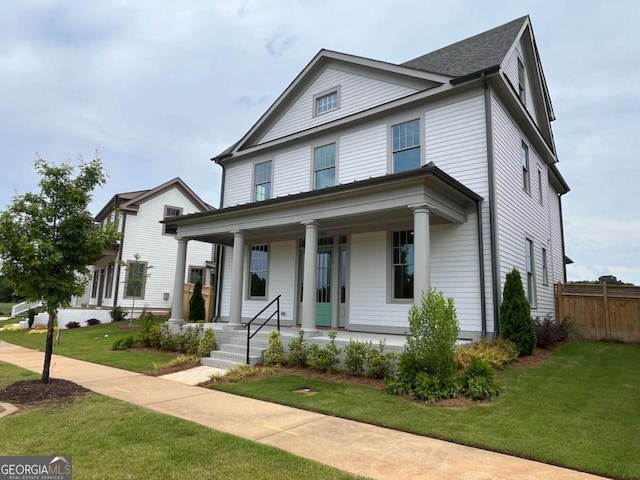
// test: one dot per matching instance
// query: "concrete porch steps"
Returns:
(233, 349)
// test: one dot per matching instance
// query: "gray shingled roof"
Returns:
(471, 55)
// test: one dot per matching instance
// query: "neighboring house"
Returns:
(141, 267)
(366, 183)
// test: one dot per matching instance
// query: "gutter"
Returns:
(479, 74)
(493, 208)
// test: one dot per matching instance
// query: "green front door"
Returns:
(323, 293)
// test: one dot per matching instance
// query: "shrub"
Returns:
(93, 321)
(118, 313)
(169, 341)
(515, 315)
(432, 388)
(356, 357)
(208, 342)
(241, 371)
(550, 333)
(189, 340)
(149, 333)
(71, 325)
(479, 380)
(124, 343)
(178, 361)
(430, 343)
(197, 311)
(497, 352)
(298, 351)
(274, 354)
(379, 364)
(325, 359)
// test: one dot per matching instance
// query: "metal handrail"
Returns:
(248, 324)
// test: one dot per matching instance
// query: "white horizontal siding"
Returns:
(520, 214)
(363, 154)
(357, 93)
(368, 284)
(556, 261)
(455, 269)
(510, 70)
(292, 172)
(237, 184)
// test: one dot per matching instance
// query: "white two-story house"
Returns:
(367, 182)
(140, 269)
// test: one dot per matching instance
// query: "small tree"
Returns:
(515, 315)
(197, 311)
(135, 281)
(48, 238)
(274, 355)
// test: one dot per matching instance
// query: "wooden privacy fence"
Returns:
(208, 293)
(601, 312)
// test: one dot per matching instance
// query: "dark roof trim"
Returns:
(474, 75)
(425, 171)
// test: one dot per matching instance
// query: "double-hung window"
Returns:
(405, 146)
(195, 274)
(327, 102)
(170, 212)
(110, 272)
(136, 279)
(522, 86)
(530, 264)
(402, 260)
(524, 159)
(258, 271)
(324, 165)
(545, 267)
(262, 181)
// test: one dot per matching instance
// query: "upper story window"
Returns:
(402, 260)
(258, 271)
(406, 146)
(325, 102)
(540, 188)
(530, 263)
(262, 181)
(168, 213)
(324, 166)
(524, 159)
(522, 89)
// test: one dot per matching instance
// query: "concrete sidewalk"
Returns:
(351, 446)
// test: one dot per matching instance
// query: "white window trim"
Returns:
(248, 295)
(314, 106)
(400, 121)
(144, 283)
(198, 267)
(164, 226)
(312, 185)
(253, 180)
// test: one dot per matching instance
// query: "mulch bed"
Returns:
(31, 392)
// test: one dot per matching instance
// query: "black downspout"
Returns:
(493, 210)
(483, 296)
(119, 261)
(564, 265)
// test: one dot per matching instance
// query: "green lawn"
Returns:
(581, 410)
(93, 344)
(5, 309)
(108, 438)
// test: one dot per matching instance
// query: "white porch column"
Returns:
(421, 252)
(310, 276)
(177, 305)
(235, 307)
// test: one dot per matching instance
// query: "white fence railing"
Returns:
(24, 307)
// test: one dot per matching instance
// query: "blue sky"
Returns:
(158, 88)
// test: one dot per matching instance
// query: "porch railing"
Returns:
(250, 322)
(24, 307)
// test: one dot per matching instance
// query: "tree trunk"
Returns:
(53, 316)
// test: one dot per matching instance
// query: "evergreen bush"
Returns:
(356, 357)
(515, 315)
(274, 355)
(379, 364)
(208, 342)
(298, 351)
(325, 359)
(197, 312)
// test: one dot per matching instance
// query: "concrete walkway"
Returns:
(351, 446)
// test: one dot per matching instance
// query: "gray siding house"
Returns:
(367, 182)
